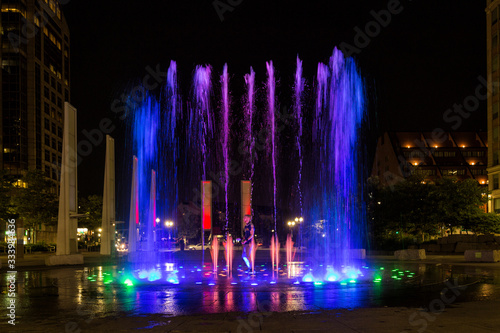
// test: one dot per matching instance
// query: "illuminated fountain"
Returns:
(334, 199)
(275, 254)
(176, 150)
(214, 251)
(228, 246)
(290, 250)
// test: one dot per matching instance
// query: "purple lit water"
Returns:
(201, 118)
(249, 110)
(225, 137)
(335, 198)
(327, 176)
(298, 92)
(153, 129)
(271, 109)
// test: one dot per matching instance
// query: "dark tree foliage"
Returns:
(37, 203)
(92, 208)
(416, 207)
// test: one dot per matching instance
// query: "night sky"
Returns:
(427, 58)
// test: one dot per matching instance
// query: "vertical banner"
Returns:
(206, 205)
(246, 201)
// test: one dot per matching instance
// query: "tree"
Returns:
(459, 202)
(189, 221)
(416, 207)
(6, 188)
(484, 223)
(407, 207)
(36, 203)
(92, 208)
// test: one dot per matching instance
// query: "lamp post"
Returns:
(169, 224)
(297, 220)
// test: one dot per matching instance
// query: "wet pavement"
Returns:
(51, 298)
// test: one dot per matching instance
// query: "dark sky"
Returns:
(424, 61)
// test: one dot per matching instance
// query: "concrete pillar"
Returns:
(108, 203)
(68, 199)
(133, 221)
(151, 223)
(67, 246)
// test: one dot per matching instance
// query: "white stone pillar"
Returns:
(108, 200)
(134, 211)
(67, 246)
(68, 200)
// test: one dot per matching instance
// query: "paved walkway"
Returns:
(477, 317)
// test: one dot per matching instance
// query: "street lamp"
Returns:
(169, 224)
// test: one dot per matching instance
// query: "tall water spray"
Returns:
(200, 130)
(249, 110)
(335, 198)
(168, 145)
(225, 136)
(298, 91)
(145, 133)
(156, 146)
(271, 109)
(329, 181)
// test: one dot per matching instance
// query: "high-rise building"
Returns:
(35, 83)
(493, 73)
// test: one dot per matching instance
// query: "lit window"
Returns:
(13, 10)
(20, 183)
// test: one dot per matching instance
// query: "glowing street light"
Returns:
(169, 224)
(157, 220)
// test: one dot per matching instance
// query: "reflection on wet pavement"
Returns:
(62, 294)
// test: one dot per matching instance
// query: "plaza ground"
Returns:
(478, 312)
